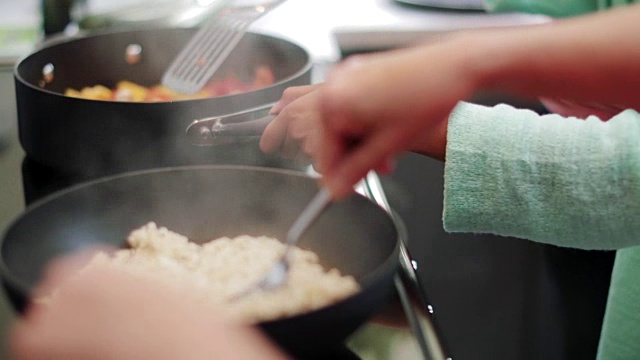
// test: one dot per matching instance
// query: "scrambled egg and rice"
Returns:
(223, 267)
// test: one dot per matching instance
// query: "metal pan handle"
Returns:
(415, 305)
(229, 128)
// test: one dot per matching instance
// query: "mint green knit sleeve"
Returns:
(563, 181)
(620, 336)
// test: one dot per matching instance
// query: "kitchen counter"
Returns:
(330, 27)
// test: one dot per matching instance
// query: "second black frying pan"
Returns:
(96, 138)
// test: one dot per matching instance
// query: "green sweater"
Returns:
(562, 181)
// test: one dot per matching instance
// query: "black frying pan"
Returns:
(204, 202)
(96, 138)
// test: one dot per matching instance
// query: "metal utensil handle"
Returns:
(419, 313)
(223, 128)
(417, 309)
(308, 215)
(246, 128)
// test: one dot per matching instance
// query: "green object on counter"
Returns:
(554, 8)
(378, 342)
(16, 42)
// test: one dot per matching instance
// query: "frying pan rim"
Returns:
(97, 34)
(391, 262)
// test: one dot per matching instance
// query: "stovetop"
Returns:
(387, 336)
(376, 339)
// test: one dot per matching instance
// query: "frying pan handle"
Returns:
(415, 305)
(247, 128)
(230, 128)
(419, 313)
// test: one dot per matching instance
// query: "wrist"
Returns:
(482, 59)
(434, 143)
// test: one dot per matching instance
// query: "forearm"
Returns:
(550, 179)
(392, 102)
(592, 58)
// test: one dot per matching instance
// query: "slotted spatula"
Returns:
(209, 47)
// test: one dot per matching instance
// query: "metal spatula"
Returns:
(210, 46)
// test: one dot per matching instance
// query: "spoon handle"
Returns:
(308, 215)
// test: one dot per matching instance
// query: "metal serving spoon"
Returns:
(277, 275)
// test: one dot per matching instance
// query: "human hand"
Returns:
(296, 129)
(104, 314)
(375, 106)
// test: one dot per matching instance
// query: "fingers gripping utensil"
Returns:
(209, 47)
(277, 274)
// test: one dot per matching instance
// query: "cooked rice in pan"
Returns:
(224, 267)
